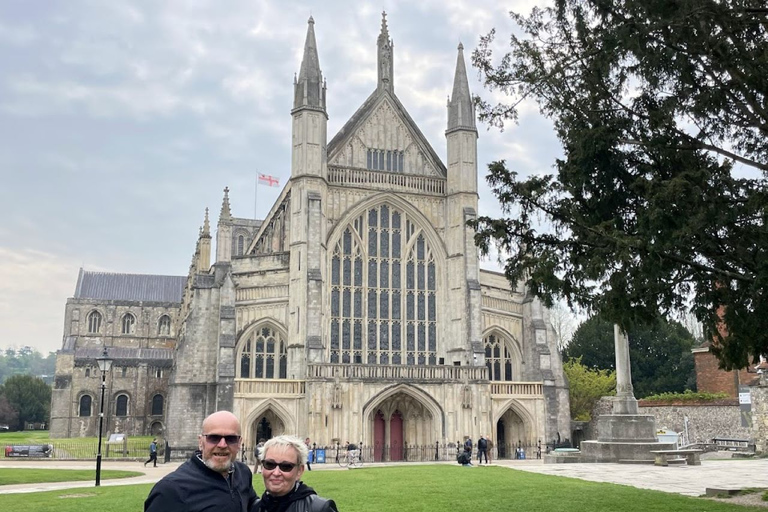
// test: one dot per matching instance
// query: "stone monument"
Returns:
(624, 434)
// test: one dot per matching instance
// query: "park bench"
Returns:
(662, 457)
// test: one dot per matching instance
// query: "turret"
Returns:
(386, 65)
(461, 133)
(204, 242)
(224, 231)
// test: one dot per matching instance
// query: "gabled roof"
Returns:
(364, 112)
(130, 287)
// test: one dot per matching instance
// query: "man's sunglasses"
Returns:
(216, 439)
(285, 467)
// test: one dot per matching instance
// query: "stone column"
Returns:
(625, 402)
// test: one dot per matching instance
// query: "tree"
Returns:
(661, 197)
(30, 396)
(586, 387)
(660, 354)
(8, 415)
(563, 321)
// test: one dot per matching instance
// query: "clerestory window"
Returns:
(263, 355)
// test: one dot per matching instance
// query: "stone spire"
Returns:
(206, 231)
(309, 88)
(226, 214)
(461, 110)
(386, 57)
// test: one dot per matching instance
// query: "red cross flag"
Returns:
(270, 181)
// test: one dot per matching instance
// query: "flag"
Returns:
(270, 181)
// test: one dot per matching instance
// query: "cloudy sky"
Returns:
(120, 122)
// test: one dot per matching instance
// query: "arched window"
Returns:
(85, 405)
(498, 359)
(383, 292)
(157, 405)
(94, 322)
(240, 245)
(121, 405)
(263, 355)
(129, 324)
(164, 326)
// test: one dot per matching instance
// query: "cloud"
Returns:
(35, 289)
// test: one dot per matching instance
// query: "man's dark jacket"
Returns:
(482, 444)
(194, 487)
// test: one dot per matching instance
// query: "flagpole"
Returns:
(256, 199)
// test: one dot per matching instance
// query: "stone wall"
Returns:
(705, 420)
(760, 415)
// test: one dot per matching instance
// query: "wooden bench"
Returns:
(692, 457)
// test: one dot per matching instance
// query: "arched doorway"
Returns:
(511, 433)
(156, 428)
(266, 426)
(397, 424)
(263, 430)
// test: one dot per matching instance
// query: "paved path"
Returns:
(687, 480)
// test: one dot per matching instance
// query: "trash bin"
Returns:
(320, 456)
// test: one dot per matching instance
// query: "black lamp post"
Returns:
(105, 363)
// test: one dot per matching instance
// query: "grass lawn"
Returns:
(416, 488)
(10, 476)
(77, 447)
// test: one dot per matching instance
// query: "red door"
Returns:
(396, 436)
(378, 437)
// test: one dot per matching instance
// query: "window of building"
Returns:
(240, 245)
(164, 326)
(121, 405)
(384, 160)
(158, 373)
(87, 372)
(129, 324)
(94, 322)
(263, 355)
(123, 371)
(85, 405)
(498, 359)
(383, 292)
(157, 405)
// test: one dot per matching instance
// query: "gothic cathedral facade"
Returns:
(356, 310)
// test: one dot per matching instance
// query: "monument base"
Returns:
(619, 437)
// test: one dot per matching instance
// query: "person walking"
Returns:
(310, 454)
(283, 460)
(490, 449)
(152, 453)
(257, 455)
(212, 479)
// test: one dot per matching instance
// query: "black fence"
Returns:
(412, 453)
(80, 449)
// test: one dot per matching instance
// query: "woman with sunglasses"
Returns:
(282, 463)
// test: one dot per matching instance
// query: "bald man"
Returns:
(211, 479)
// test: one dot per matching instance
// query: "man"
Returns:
(212, 479)
(282, 464)
(482, 450)
(152, 453)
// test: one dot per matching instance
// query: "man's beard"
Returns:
(221, 468)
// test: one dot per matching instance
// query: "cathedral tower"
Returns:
(309, 174)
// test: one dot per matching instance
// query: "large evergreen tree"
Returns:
(660, 106)
(660, 354)
(30, 397)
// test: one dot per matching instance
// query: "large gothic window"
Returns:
(263, 355)
(121, 405)
(164, 326)
(85, 405)
(383, 292)
(157, 405)
(128, 324)
(94, 322)
(497, 359)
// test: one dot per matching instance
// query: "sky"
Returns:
(120, 122)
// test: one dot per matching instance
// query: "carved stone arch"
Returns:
(242, 334)
(435, 241)
(514, 345)
(429, 403)
(270, 404)
(513, 405)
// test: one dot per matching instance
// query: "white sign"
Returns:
(745, 398)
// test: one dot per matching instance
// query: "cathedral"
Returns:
(355, 311)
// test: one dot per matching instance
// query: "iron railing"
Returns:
(82, 450)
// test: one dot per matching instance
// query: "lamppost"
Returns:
(105, 363)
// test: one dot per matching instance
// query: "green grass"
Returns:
(11, 476)
(416, 489)
(77, 447)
